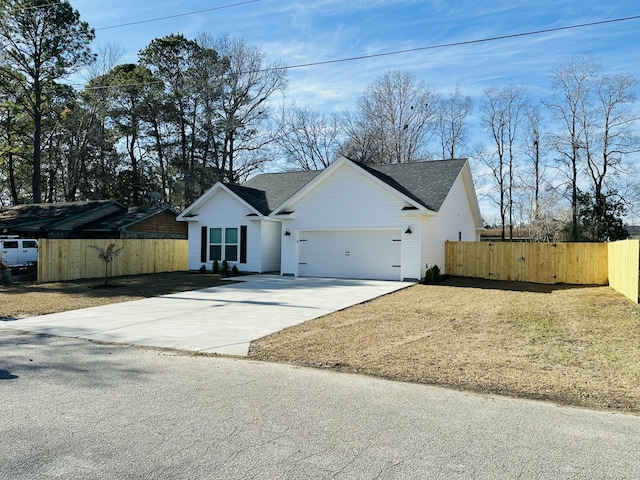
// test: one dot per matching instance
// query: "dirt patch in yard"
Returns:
(27, 298)
(576, 345)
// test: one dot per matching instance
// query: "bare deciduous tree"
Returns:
(451, 128)
(572, 83)
(614, 136)
(248, 83)
(395, 119)
(595, 126)
(502, 112)
(309, 139)
(534, 149)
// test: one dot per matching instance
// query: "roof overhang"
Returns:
(467, 180)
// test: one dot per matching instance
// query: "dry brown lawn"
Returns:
(27, 298)
(576, 345)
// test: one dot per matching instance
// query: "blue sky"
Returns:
(300, 32)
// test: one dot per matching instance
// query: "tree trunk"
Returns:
(37, 144)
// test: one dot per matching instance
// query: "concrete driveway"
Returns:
(222, 319)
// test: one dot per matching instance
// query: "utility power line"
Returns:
(465, 42)
(409, 50)
(437, 46)
(157, 19)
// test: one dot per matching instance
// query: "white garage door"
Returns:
(369, 254)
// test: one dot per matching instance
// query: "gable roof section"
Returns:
(251, 199)
(262, 193)
(423, 184)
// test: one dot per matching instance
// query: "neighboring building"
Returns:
(348, 221)
(90, 219)
(139, 222)
(495, 235)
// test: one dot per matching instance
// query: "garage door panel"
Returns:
(374, 254)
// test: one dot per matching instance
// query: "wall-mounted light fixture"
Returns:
(408, 230)
(287, 233)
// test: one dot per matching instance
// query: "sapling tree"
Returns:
(107, 255)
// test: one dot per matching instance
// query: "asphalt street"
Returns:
(74, 409)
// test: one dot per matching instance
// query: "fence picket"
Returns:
(60, 259)
(616, 263)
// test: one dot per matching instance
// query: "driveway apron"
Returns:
(223, 319)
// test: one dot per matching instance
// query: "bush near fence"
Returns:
(615, 263)
(72, 259)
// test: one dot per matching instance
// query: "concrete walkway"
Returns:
(222, 319)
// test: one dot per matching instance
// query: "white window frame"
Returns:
(223, 244)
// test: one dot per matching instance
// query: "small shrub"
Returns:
(215, 268)
(235, 271)
(224, 270)
(432, 275)
(203, 269)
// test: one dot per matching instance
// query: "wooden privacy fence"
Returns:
(73, 259)
(615, 263)
(624, 264)
(579, 263)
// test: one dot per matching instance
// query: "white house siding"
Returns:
(288, 259)
(454, 218)
(271, 239)
(347, 200)
(225, 210)
(411, 251)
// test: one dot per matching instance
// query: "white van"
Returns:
(18, 253)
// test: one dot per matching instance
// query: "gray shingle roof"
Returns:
(254, 197)
(277, 188)
(125, 218)
(46, 215)
(426, 183)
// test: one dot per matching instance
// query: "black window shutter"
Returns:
(243, 244)
(203, 244)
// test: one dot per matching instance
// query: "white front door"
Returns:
(367, 254)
